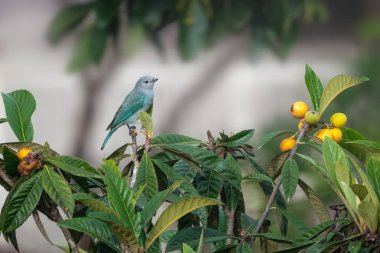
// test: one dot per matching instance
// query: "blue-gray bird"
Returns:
(140, 99)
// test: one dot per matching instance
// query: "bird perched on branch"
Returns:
(140, 99)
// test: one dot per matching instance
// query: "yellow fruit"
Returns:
(323, 133)
(338, 119)
(300, 124)
(299, 109)
(337, 134)
(25, 167)
(23, 152)
(287, 144)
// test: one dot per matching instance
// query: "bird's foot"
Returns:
(132, 131)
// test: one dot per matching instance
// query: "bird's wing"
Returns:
(132, 104)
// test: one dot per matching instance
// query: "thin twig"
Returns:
(136, 163)
(277, 186)
(56, 216)
(7, 182)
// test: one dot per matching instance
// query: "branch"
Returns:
(6, 182)
(277, 186)
(136, 163)
(230, 223)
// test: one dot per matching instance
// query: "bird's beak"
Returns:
(155, 80)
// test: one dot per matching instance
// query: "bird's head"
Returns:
(146, 82)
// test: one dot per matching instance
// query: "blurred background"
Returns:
(222, 65)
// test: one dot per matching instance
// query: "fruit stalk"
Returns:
(277, 186)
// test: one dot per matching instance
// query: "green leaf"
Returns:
(243, 247)
(67, 249)
(120, 197)
(58, 189)
(40, 226)
(106, 10)
(238, 139)
(314, 86)
(350, 197)
(22, 203)
(92, 203)
(94, 228)
(362, 149)
(82, 56)
(118, 154)
(18, 145)
(154, 204)
(258, 176)
(317, 204)
(209, 184)
(191, 237)
(274, 237)
(276, 164)
(201, 242)
(289, 176)
(19, 107)
(369, 213)
(176, 211)
(335, 86)
(351, 135)
(74, 166)
(3, 120)
(67, 19)
(174, 139)
(187, 249)
(270, 136)
(192, 30)
(98, 43)
(373, 172)
(147, 123)
(11, 162)
(146, 176)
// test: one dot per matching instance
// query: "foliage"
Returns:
(188, 192)
(199, 23)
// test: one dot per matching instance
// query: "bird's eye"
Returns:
(146, 81)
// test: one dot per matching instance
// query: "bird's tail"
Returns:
(107, 138)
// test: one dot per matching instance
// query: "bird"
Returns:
(140, 99)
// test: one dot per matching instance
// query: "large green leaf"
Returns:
(98, 43)
(58, 189)
(373, 172)
(120, 197)
(187, 249)
(191, 237)
(335, 86)
(106, 10)
(174, 139)
(22, 203)
(154, 204)
(92, 203)
(238, 139)
(362, 149)
(317, 204)
(369, 213)
(74, 166)
(94, 228)
(18, 145)
(351, 135)
(314, 86)
(209, 184)
(67, 19)
(258, 176)
(276, 164)
(118, 154)
(19, 107)
(146, 122)
(270, 136)
(11, 162)
(289, 176)
(146, 177)
(176, 211)
(82, 56)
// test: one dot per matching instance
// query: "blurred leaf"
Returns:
(67, 19)
(317, 204)
(274, 237)
(120, 197)
(106, 10)
(146, 176)
(192, 30)
(19, 106)
(174, 139)
(22, 203)
(270, 136)
(289, 176)
(74, 166)
(11, 162)
(82, 56)
(146, 122)
(335, 86)
(40, 226)
(176, 211)
(192, 235)
(243, 247)
(294, 220)
(98, 43)
(373, 172)
(94, 228)
(369, 213)
(58, 190)
(314, 86)
(238, 139)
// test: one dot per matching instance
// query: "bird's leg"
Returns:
(132, 130)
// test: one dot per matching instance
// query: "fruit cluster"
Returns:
(300, 110)
(28, 161)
